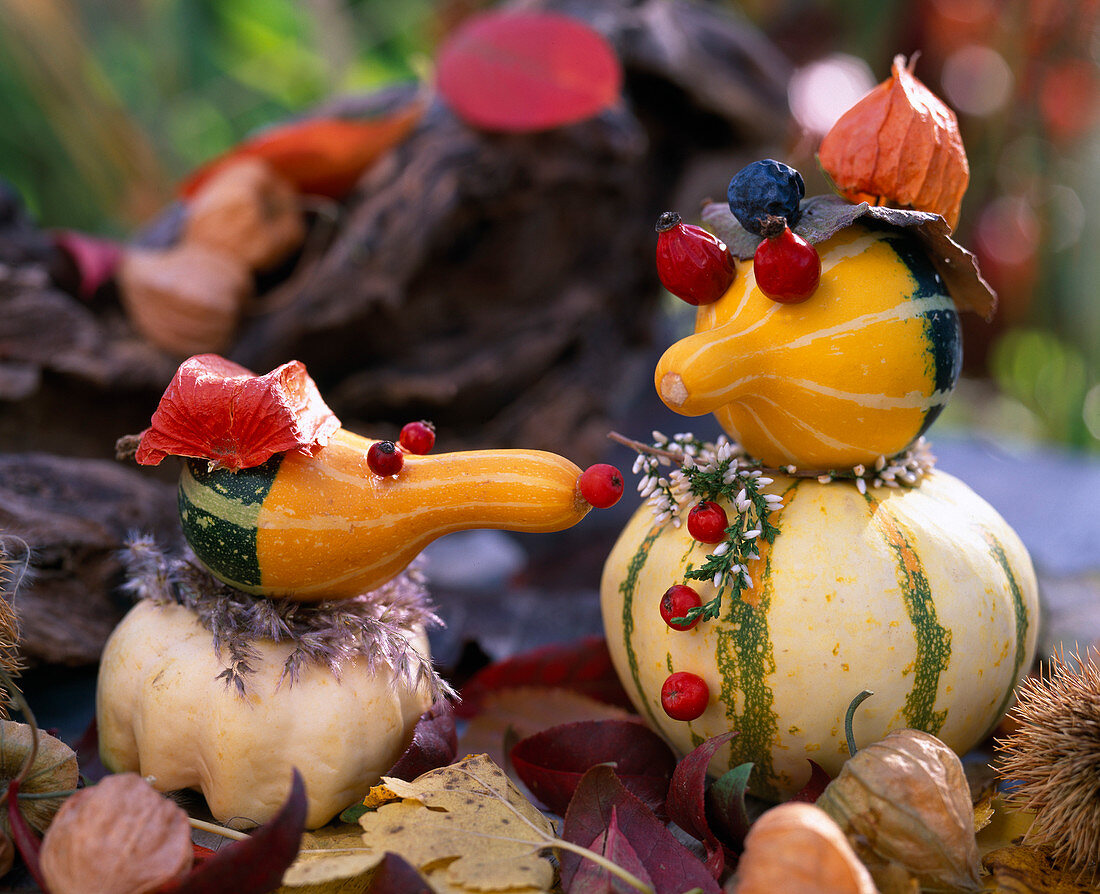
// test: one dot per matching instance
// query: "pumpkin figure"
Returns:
(809, 585)
(293, 635)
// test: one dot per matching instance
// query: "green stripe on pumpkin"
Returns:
(746, 659)
(219, 510)
(1022, 623)
(628, 588)
(933, 639)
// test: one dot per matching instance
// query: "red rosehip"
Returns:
(684, 696)
(787, 267)
(707, 522)
(691, 263)
(418, 437)
(678, 600)
(384, 458)
(601, 485)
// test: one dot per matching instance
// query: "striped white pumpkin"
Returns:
(923, 595)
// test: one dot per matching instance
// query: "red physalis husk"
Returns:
(900, 146)
(215, 409)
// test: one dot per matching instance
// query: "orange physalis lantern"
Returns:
(899, 146)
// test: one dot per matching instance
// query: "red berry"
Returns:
(707, 522)
(384, 458)
(601, 485)
(787, 267)
(418, 437)
(684, 696)
(692, 264)
(677, 602)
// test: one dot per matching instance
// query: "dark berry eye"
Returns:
(764, 189)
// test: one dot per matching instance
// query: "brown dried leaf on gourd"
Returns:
(825, 216)
(468, 826)
(119, 836)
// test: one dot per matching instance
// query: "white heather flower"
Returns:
(721, 548)
(763, 482)
(639, 462)
(773, 500)
(880, 463)
(718, 579)
(753, 534)
(861, 485)
(740, 498)
(824, 479)
(859, 470)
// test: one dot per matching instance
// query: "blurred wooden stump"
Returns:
(502, 286)
(73, 515)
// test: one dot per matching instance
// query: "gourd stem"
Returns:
(850, 716)
(204, 826)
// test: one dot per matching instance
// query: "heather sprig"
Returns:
(373, 626)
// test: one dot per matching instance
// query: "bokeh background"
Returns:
(106, 104)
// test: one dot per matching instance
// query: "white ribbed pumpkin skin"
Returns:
(163, 712)
(834, 605)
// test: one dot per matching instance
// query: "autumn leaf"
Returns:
(255, 864)
(592, 878)
(687, 800)
(670, 865)
(434, 742)
(94, 259)
(470, 817)
(527, 71)
(813, 788)
(1007, 826)
(582, 665)
(552, 762)
(524, 711)
(319, 156)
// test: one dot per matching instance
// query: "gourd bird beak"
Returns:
(702, 372)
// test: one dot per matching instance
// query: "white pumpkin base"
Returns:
(162, 712)
(923, 595)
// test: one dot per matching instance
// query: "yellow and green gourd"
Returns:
(326, 527)
(859, 370)
(923, 595)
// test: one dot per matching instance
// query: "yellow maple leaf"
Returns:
(468, 827)
(332, 860)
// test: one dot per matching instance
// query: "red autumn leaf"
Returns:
(591, 878)
(552, 762)
(687, 805)
(395, 876)
(527, 71)
(217, 410)
(201, 853)
(812, 790)
(319, 156)
(95, 260)
(434, 743)
(670, 865)
(582, 665)
(253, 865)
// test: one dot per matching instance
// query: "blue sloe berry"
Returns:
(763, 189)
